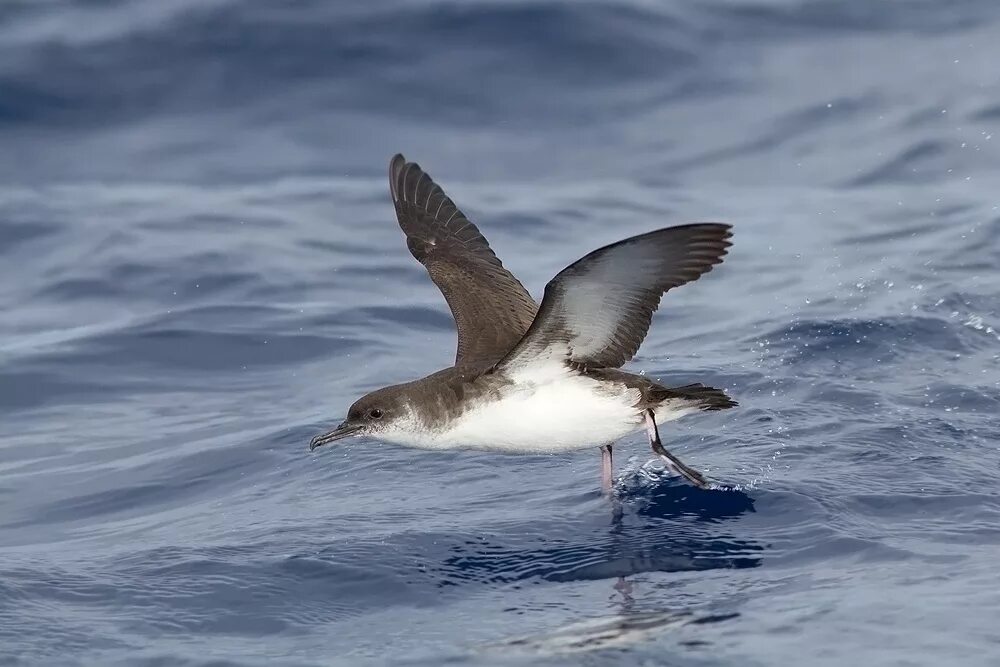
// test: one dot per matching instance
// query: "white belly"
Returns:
(551, 417)
(541, 413)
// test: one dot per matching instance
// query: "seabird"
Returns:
(538, 378)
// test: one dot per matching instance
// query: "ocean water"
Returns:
(200, 270)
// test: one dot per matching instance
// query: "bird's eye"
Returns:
(375, 413)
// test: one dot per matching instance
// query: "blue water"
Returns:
(200, 269)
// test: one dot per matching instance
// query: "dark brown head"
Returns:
(375, 413)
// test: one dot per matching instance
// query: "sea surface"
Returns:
(200, 269)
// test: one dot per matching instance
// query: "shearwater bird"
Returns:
(537, 378)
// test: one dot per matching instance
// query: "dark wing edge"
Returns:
(492, 309)
(596, 312)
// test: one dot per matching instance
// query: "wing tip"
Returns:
(715, 230)
(719, 233)
(397, 166)
(724, 229)
(723, 242)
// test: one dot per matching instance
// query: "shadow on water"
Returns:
(669, 527)
(672, 499)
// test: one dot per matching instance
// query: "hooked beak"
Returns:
(342, 431)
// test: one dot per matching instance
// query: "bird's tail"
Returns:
(707, 398)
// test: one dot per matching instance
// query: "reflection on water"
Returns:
(611, 632)
(671, 527)
(666, 527)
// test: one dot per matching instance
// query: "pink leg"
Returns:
(673, 463)
(607, 470)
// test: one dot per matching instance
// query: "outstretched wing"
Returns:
(597, 311)
(492, 309)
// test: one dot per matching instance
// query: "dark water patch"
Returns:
(833, 393)
(33, 389)
(245, 317)
(785, 130)
(176, 351)
(852, 343)
(14, 233)
(211, 222)
(977, 396)
(289, 47)
(988, 113)
(168, 281)
(88, 288)
(420, 318)
(674, 498)
(150, 487)
(825, 17)
(913, 505)
(915, 164)
(879, 235)
(345, 247)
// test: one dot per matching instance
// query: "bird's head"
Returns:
(370, 415)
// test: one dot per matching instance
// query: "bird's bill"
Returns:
(343, 431)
